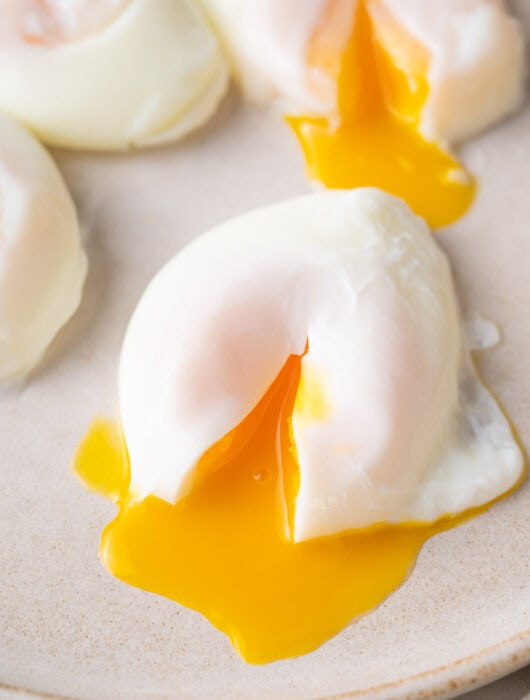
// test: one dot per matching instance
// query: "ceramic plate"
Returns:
(70, 630)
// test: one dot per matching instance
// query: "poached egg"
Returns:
(109, 74)
(378, 91)
(42, 262)
(299, 412)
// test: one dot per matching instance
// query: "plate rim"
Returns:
(474, 671)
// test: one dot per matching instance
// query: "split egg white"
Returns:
(469, 52)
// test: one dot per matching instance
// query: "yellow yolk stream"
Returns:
(374, 139)
(222, 550)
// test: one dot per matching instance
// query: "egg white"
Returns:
(42, 263)
(477, 63)
(403, 429)
(57, 21)
(150, 75)
(267, 42)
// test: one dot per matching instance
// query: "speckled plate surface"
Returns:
(69, 629)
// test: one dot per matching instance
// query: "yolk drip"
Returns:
(374, 139)
(223, 550)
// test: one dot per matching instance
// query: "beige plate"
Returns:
(70, 629)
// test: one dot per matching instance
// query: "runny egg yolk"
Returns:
(225, 550)
(374, 138)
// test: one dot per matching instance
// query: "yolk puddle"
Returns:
(374, 139)
(223, 551)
